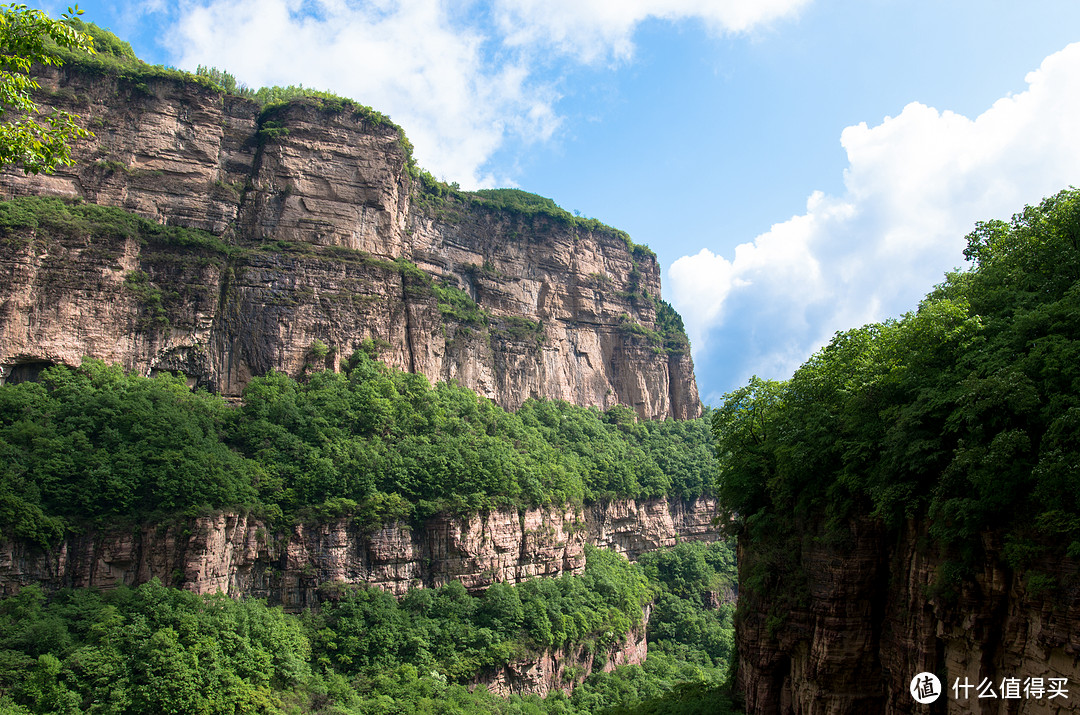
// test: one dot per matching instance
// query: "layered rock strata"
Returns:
(872, 620)
(238, 555)
(321, 221)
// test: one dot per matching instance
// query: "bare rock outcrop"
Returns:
(239, 555)
(872, 620)
(321, 225)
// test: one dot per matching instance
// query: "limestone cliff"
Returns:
(869, 620)
(322, 225)
(239, 555)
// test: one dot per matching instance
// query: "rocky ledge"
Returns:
(239, 555)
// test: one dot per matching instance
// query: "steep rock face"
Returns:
(563, 668)
(871, 622)
(239, 555)
(319, 212)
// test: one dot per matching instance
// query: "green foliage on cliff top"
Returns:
(964, 412)
(105, 42)
(50, 215)
(444, 199)
(96, 444)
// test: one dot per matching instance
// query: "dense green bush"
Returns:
(457, 305)
(965, 412)
(95, 444)
(147, 650)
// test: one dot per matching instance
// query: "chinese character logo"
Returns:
(925, 688)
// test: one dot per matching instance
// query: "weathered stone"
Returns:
(873, 622)
(298, 204)
(238, 555)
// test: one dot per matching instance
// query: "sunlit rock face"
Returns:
(239, 555)
(319, 214)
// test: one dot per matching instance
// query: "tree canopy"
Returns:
(95, 444)
(37, 144)
(965, 412)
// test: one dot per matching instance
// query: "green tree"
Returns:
(29, 36)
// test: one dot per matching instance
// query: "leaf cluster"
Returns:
(37, 144)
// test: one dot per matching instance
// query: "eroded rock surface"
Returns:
(872, 621)
(238, 555)
(318, 209)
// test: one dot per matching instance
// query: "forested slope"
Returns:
(159, 650)
(913, 492)
(94, 445)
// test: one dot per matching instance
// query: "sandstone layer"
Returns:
(872, 619)
(321, 219)
(239, 555)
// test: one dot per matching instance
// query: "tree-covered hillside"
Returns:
(159, 650)
(95, 445)
(965, 413)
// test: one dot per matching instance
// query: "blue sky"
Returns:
(799, 166)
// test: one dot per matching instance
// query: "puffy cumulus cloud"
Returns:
(597, 29)
(429, 69)
(914, 187)
(461, 78)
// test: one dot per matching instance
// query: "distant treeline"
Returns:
(92, 444)
(159, 650)
(964, 413)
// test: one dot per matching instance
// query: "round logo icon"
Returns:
(925, 688)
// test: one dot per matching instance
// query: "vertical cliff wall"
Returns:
(868, 618)
(240, 555)
(322, 227)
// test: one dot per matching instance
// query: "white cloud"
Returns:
(459, 77)
(914, 187)
(410, 59)
(595, 29)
